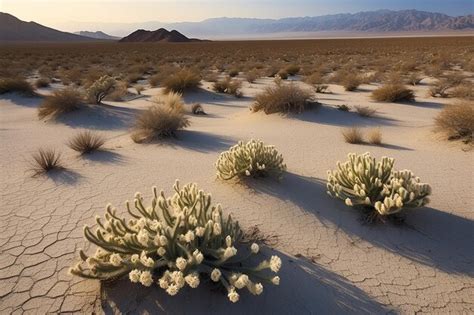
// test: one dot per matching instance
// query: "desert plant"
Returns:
(139, 89)
(253, 158)
(42, 82)
(321, 88)
(351, 82)
(282, 74)
(375, 187)
(181, 81)
(17, 85)
(393, 93)
(252, 75)
(283, 98)
(46, 160)
(440, 88)
(86, 141)
(100, 89)
(353, 135)
(229, 86)
(414, 78)
(59, 103)
(315, 78)
(118, 94)
(234, 72)
(464, 91)
(343, 108)
(197, 109)
(375, 136)
(365, 111)
(174, 242)
(172, 100)
(292, 69)
(457, 121)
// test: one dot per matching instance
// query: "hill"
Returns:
(160, 35)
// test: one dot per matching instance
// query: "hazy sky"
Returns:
(57, 12)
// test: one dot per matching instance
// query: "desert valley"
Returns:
(109, 149)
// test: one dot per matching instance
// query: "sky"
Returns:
(68, 14)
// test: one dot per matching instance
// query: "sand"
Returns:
(332, 261)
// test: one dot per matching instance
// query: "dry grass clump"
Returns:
(172, 100)
(343, 108)
(321, 88)
(282, 74)
(86, 141)
(365, 111)
(283, 98)
(46, 160)
(118, 94)
(197, 109)
(252, 75)
(353, 135)
(464, 91)
(59, 103)
(393, 93)
(18, 85)
(292, 69)
(351, 82)
(181, 81)
(315, 78)
(375, 136)
(457, 121)
(233, 72)
(228, 86)
(42, 82)
(414, 78)
(440, 88)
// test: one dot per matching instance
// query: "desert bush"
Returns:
(17, 85)
(181, 81)
(440, 88)
(414, 78)
(282, 74)
(351, 82)
(100, 89)
(252, 75)
(464, 91)
(42, 82)
(253, 158)
(139, 89)
(353, 135)
(343, 108)
(365, 111)
(321, 88)
(283, 98)
(292, 69)
(315, 78)
(45, 160)
(197, 109)
(86, 142)
(59, 103)
(211, 76)
(228, 86)
(375, 136)
(174, 243)
(376, 188)
(457, 121)
(393, 93)
(118, 94)
(233, 72)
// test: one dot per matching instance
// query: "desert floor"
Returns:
(332, 261)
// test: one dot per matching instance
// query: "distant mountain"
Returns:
(13, 29)
(97, 35)
(160, 35)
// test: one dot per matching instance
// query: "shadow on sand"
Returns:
(432, 237)
(305, 288)
(64, 176)
(104, 156)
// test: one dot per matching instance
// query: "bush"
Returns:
(292, 69)
(440, 88)
(353, 135)
(283, 98)
(393, 93)
(18, 85)
(314, 79)
(321, 88)
(174, 243)
(414, 79)
(252, 75)
(365, 111)
(282, 74)
(100, 89)
(46, 160)
(457, 121)
(229, 86)
(118, 94)
(59, 103)
(464, 91)
(375, 136)
(376, 188)
(253, 158)
(86, 141)
(172, 100)
(343, 108)
(42, 82)
(351, 82)
(181, 81)
(233, 72)
(197, 109)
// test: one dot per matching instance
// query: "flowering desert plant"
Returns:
(100, 89)
(253, 158)
(173, 243)
(375, 187)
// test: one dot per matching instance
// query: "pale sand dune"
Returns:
(425, 265)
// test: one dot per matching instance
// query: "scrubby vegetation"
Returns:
(283, 98)
(86, 142)
(46, 160)
(351, 82)
(228, 86)
(375, 136)
(393, 93)
(100, 89)
(197, 109)
(457, 121)
(251, 159)
(375, 187)
(16, 85)
(176, 242)
(59, 103)
(365, 111)
(181, 81)
(353, 135)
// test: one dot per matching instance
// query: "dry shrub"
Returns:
(283, 98)
(86, 141)
(440, 88)
(282, 74)
(211, 76)
(351, 82)
(181, 81)
(457, 121)
(59, 103)
(197, 109)
(353, 135)
(228, 86)
(375, 136)
(464, 91)
(414, 78)
(45, 160)
(292, 69)
(321, 88)
(393, 93)
(314, 79)
(139, 89)
(343, 108)
(42, 82)
(18, 85)
(252, 75)
(365, 111)
(118, 93)
(172, 100)
(233, 72)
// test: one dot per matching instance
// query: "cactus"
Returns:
(253, 158)
(172, 243)
(100, 89)
(376, 187)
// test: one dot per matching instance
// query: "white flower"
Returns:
(200, 231)
(275, 263)
(217, 230)
(215, 275)
(134, 275)
(135, 258)
(141, 223)
(192, 280)
(229, 252)
(178, 278)
(154, 225)
(161, 251)
(142, 237)
(163, 240)
(146, 279)
(163, 283)
(146, 261)
(276, 280)
(228, 241)
(172, 289)
(348, 202)
(115, 260)
(189, 237)
(241, 282)
(233, 296)
(156, 240)
(198, 256)
(181, 263)
(254, 248)
(247, 172)
(258, 288)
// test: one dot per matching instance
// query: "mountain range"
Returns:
(97, 35)
(160, 35)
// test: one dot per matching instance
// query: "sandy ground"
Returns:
(333, 263)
